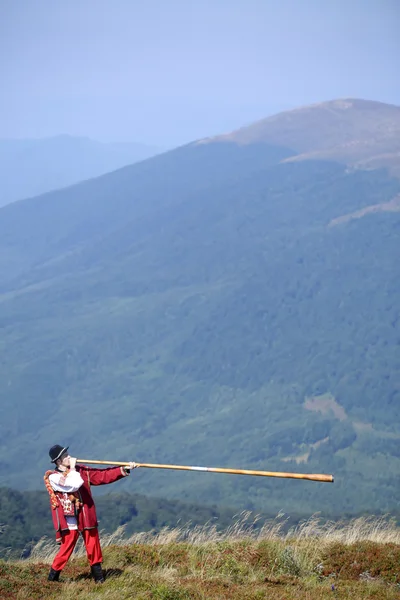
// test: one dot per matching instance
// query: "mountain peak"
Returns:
(348, 103)
(358, 132)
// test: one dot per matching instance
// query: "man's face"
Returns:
(65, 459)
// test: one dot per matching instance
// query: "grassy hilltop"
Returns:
(360, 559)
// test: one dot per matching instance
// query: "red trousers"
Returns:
(68, 543)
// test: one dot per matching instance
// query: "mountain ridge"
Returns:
(362, 133)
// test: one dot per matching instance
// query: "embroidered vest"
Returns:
(70, 503)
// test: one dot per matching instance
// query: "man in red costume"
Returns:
(73, 508)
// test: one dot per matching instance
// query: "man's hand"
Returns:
(132, 465)
(128, 468)
(72, 463)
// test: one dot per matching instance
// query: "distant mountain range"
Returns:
(233, 302)
(34, 166)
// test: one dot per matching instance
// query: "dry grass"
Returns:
(319, 533)
(382, 529)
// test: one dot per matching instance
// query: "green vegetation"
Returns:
(182, 311)
(358, 560)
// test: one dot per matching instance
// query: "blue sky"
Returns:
(167, 72)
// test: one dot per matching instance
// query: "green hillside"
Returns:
(207, 307)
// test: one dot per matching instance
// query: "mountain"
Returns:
(32, 167)
(222, 304)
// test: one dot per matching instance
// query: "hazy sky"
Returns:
(167, 72)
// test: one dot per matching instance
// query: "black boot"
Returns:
(53, 575)
(97, 573)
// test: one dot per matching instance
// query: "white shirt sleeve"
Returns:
(71, 483)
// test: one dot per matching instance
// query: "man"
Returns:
(73, 509)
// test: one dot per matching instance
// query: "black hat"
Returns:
(56, 451)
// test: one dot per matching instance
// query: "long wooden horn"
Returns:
(309, 476)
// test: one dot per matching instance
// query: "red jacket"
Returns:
(86, 517)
